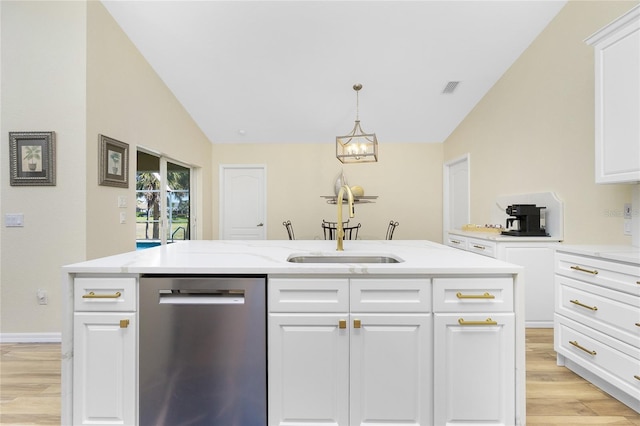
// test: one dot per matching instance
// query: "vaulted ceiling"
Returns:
(283, 71)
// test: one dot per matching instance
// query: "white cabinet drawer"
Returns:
(611, 312)
(600, 272)
(473, 294)
(482, 247)
(308, 295)
(457, 241)
(105, 294)
(390, 295)
(617, 363)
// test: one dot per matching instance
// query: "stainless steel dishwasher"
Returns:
(202, 351)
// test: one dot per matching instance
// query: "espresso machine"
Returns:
(527, 221)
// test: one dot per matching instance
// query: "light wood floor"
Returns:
(30, 388)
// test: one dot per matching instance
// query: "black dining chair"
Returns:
(287, 224)
(351, 232)
(390, 229)
(331, 228)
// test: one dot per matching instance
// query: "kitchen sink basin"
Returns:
(343, 259)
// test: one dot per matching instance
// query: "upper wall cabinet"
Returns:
(617, 99)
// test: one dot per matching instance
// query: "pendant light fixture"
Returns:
(357, 146)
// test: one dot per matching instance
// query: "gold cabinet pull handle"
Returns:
(486, 295)
(454, 241)
(636, 377)
(342, 323)
(488, 321)
(638, 324)
(588, 271)
(124, 323)
(92, 295)
(582, 348)
(357, 323)
(577, 302)
(479, 247)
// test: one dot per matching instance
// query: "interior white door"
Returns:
(456, 194)
(243, 202)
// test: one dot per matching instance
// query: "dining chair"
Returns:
(289, 227)
(331, 228)
(390, 229)
(351, 232)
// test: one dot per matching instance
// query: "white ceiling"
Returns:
(283, 71)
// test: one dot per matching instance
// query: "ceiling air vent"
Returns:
(450, 87)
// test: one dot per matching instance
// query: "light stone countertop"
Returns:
(620, 253)
(270, 257)
(491, 236)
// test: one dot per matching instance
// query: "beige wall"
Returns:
(67, 67)
(407, 179)
(127, 101)
(43, 89)
(534, 130)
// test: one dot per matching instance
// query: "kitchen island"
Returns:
(436, 337)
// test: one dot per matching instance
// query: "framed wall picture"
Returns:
(32, 158)
(114, 162)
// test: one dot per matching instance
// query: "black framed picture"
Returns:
(32, 158)
(114, 162)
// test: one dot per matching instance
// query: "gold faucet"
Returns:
(352, 213)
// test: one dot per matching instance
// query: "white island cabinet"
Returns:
(474, 347)
(104, 334)
(347, 343)
(350, 351)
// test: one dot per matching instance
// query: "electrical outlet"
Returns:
(123, 217)
(43, 298)
(627, 227)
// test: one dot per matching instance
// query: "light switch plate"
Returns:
(627, 211)
(14, 220)
(122, 201)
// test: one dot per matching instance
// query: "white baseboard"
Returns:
(30, 337)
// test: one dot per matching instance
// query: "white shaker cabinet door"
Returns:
(391, 369)
(308, 359)
(104, 369)
(617, 100)
(474, 366)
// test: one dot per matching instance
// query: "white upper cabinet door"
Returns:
(617, 99)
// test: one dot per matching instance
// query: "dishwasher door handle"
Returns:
(221, 297)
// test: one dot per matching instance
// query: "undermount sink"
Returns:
(343, 259)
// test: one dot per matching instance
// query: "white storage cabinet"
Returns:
(349, 351)
(536, 257)
(474, 346)
(617, 99)
(104, 358)
(597, 331)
